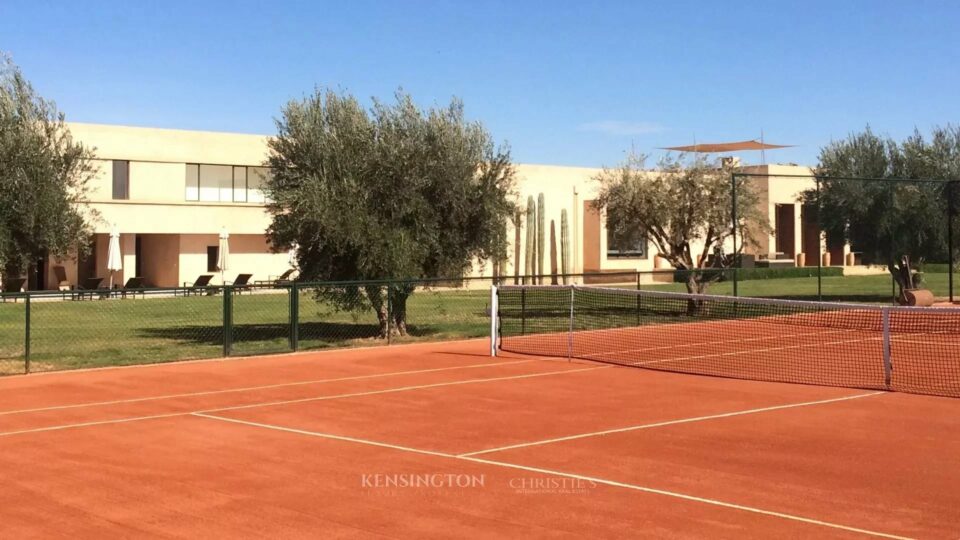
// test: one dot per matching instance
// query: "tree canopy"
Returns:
(888, 218)
(389, 192)
(43, 178)
(683, 207)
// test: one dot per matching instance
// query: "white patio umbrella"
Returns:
(114, 257)
(292, 257)
(223, 253)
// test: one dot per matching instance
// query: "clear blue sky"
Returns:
(564, 82)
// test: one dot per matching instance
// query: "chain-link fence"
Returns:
(47, 330)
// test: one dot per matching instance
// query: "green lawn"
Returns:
(68, 334)
(74, 334)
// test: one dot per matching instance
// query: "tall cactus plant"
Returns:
(530, 248)
(553, 252)
(564, 247)
(541, 244)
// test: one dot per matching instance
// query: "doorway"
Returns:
(785, 230)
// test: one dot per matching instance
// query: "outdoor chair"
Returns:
(198, 286)
(134, 283)
(13, 285)
(63, 284)
(90, 286)
(278, 280)
(242, 283)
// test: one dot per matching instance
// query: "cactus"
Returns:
(541, 244)
(564, 247)
(530, 248)
(553, 252)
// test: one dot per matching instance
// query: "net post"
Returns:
(494, 318)
(573, 288)
(26, 335)
(227, 320)
(887, 364)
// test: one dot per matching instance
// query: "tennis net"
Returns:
(905, 349)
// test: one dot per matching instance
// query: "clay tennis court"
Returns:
(440, 440)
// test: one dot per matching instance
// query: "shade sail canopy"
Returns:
(727, 147)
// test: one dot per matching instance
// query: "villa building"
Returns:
(171, 192)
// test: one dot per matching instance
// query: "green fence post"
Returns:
(294, 317)
(26, 336)
(389, 313)
(820, 238)
(227, 320)
(951, 212)
(736, 258)
(523, 311)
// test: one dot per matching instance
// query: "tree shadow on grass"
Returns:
(243, 333)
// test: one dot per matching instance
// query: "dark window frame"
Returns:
(642, 253)
(121, 185)
(197, 165)
(213, 255)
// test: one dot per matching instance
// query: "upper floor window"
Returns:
(121, 180)
(626, 245)
(224, 183)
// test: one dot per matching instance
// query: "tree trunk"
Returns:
(695, 286)
(377, 300)
(398, 308)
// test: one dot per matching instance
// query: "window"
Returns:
(256, 178)
(239, 184)
(626, 245)
(193, 182)
(213, 253)
(216, 183)
(121, 180)
(224, 183)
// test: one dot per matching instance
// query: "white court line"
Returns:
(403, 389)
(88, 424)
(668, 423)
(225, 359)
(596, 480)
(319, 398)
(252, 388)
(733, 353)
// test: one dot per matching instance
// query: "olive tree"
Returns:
(392, 191)
(44, 176)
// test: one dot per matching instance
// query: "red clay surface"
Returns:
(821, 348)
(319, 445)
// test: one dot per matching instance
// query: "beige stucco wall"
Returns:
(161, 260)
(158, 206)
(171, 145)
(181, 218)
(249, 254)
(779, 185)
